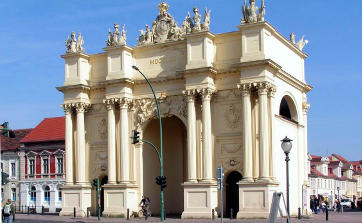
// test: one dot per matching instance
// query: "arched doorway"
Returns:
(232, 193)
(174, 147)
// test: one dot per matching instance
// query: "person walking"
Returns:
(146, 206)
(8, 212)
(312, 205)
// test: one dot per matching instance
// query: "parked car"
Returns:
(346, 203)
(359, 202)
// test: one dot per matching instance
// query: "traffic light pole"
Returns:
(99, 199)
(161, 147)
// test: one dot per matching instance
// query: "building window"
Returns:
(60, 165)
(32, 166)
(47, 194)
(13, 170)
(60, 195)
(13, 194)
(33, 194)
(45, 166)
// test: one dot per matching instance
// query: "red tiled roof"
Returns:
(13, 143)
(50, 129)
(342, 159)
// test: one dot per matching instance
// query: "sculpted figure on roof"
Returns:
(115, 39)
(73, 45)
(251, 13)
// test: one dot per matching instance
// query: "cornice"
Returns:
(200, 34)
(159, 45)
(125, 81)
(210, 70)
(160, 79)
(73, 87)
(72, 55)
(272, 29)
(278, 72)
(118, 48)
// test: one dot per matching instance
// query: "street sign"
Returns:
(220, 173)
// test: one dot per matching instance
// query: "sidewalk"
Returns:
(347, 217)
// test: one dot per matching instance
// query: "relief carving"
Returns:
(145, 108)
(102, 129)
(232, 117)
(100, 163)
(230, 148)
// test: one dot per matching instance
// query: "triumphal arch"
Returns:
(226, 100)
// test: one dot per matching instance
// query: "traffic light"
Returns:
(5, 130)
(95, 182)
(4, 178)
(161, 180)
(136, 137)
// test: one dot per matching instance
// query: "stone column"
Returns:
(247, 132)
(81, 108)
(273, 152)
(124, 134)
(111, 142)
(68, 109)
(263, 131)
(191, 135)
(206, 135)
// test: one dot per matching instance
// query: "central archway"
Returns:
(232, 193)
(174, 151)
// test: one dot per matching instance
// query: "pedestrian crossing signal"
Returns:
(136, 137)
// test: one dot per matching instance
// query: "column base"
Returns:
(78, 197)
(255, 199)
(118, 198)
(199, 200)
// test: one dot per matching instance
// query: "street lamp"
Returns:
(160, 154)
(287, 146)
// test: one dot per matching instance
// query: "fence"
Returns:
(32, 209)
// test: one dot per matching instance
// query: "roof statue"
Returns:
(300, 44)
(73, 45)
(114, 39)
(251, 13)
(165, 28)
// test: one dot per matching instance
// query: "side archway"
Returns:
(287, 109)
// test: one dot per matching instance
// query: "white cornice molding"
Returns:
(81, 87)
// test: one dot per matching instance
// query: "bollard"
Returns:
(88, 210)
(42, 210)
(299, 213)
(213, 214)
(127, 213)
(231, 213)
(74, 212)
(327, 213)
(28, 210)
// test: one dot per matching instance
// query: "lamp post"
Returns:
(161, 148)
(287, 146)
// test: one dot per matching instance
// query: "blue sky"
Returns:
(33, 32)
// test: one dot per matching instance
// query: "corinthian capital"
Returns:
(189, 95)
(68, 108)
(110, 103)
(306, 107)
(245, 89)
(206, 93)
(124, 102)
(82, 106)
(263, 87)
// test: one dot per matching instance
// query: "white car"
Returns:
(346, 203)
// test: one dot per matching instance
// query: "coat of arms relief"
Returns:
(165, 28)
